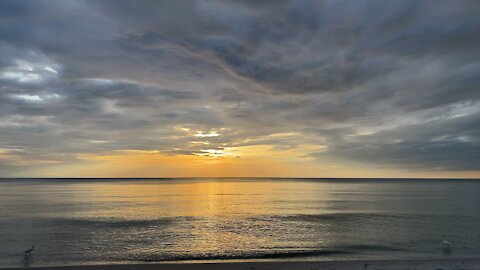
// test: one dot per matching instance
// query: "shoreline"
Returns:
(421, 264)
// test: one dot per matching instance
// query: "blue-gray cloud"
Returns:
(386, 83)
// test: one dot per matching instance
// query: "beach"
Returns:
(437, 264)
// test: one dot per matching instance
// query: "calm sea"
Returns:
(99, 221)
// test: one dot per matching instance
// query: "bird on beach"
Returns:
(29, 251)
(27, 258)
(447, 245)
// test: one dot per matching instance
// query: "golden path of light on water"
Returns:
(217, 206)
(184, 198)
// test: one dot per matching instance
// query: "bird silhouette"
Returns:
(447, 247)
(30, 250)
(27, 258)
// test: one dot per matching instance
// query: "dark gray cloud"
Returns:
(385, 83)
(452, 144)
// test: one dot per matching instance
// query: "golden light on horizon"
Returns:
(244, 161)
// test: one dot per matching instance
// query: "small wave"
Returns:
(272, 255)
(372, 247)
(111, 223)
(333, 217)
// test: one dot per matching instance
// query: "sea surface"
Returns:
(101, 221)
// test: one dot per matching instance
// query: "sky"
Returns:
(239, 88)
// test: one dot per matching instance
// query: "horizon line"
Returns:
(248, 177)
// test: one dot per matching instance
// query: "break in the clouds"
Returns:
(388, 85)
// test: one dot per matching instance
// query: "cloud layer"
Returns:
(390, 85)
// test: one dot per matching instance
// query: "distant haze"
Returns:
(239, 88)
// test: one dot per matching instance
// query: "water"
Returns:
(136, 221)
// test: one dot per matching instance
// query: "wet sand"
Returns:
(442, 264)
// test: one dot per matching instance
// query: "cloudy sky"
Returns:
(239, 88)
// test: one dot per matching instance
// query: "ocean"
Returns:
(102, 221)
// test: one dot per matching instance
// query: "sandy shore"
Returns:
(444, 264)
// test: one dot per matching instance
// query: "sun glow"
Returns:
(200, 134)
